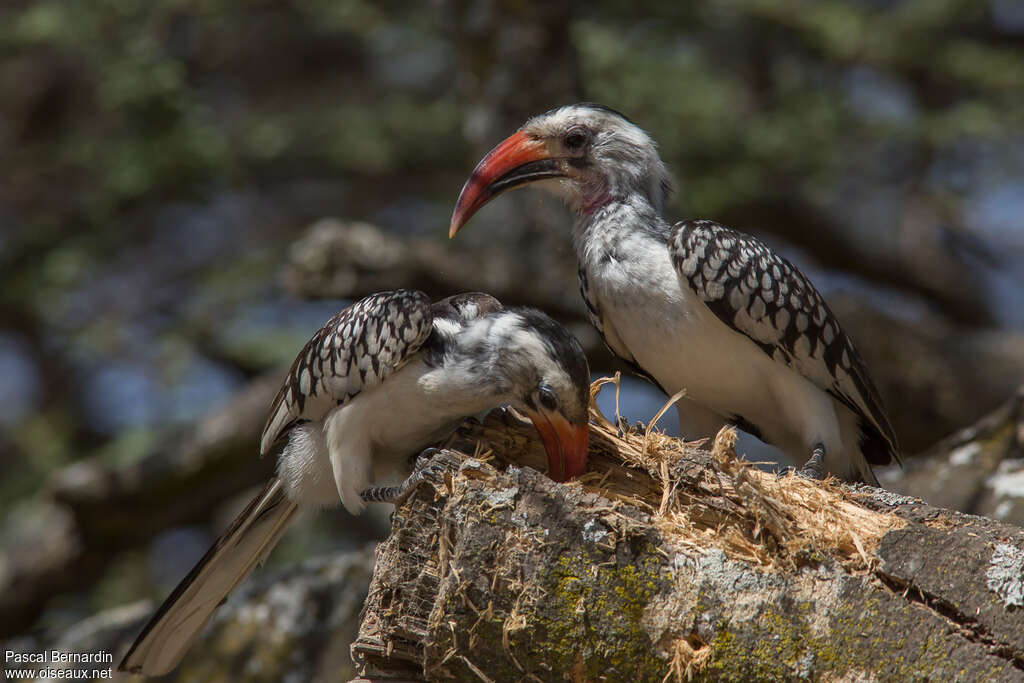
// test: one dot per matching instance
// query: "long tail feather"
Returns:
(250, 538)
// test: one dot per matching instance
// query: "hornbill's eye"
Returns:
(547, 397)
(575, 138)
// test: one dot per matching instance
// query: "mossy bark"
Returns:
(505, 575)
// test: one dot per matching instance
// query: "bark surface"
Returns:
(674, 562)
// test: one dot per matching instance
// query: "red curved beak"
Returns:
(565, 443)
(518, 160)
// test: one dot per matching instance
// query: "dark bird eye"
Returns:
(547, 398)
(576, 138)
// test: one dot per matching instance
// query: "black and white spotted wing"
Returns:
(357, 349)
(762, 295)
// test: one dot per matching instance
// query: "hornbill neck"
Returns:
(629, 215)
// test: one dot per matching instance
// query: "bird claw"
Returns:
(424, 470)
(624, 427)
(621, 425)
(424, 458)
(813, 469)
(428, 470)
(785, 472)
(434, 473)
(804, 472)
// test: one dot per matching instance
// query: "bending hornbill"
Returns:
(381, 380)
(695, 305)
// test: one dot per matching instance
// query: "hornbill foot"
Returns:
(785, 472)
(623, 426)
(419, 460)
(812, 469)
(424, 471)
(815, 467)
(430, 470)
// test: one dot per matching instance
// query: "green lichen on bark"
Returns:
(856, 643)
(554, 604)
(583, 613)
(592, 615)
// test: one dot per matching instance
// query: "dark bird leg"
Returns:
(624, 427)
(812, 469)
(815, 467)
(423, 471)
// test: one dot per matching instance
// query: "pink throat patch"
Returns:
(595, 202)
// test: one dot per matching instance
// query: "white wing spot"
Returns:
(819, 315)
(689, 266)
(782, 319)
(737, 299)
(757, 309)
(802, 348)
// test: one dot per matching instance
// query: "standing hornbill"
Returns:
(384, 378)
(695, 306)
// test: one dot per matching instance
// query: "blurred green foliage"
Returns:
(122, 102)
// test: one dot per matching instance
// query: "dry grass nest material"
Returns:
(726, 502)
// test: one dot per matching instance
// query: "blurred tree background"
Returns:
(164, 163)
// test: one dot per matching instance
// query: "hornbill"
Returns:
(381, 380)
(695, 306)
